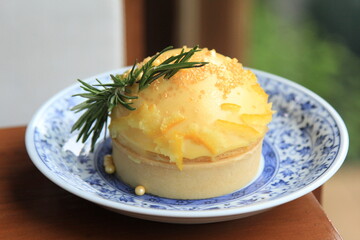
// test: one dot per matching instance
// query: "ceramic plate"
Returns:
(306, 144)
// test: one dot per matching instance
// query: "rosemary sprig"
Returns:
(102, 98)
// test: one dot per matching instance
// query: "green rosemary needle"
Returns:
(101, 98)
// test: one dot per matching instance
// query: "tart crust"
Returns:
(203, 177)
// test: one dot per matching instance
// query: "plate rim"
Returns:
(214, 213)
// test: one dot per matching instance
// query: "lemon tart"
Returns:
(195, 135)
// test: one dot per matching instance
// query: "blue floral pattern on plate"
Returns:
(305, 145)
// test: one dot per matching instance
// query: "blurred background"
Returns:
(312, 42)
(45, 45)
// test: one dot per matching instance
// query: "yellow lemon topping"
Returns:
(198, 112)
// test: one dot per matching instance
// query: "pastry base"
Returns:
(200, 178)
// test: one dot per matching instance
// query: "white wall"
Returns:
(45, 45)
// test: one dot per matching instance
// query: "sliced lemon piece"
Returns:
(240, 129)
(170, 122)
(230, 107)
(256, 119)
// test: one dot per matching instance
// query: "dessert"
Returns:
(190, 133)
(196, 135)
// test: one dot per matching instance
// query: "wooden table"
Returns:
(32, 207)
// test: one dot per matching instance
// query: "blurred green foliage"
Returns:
(299, 52)
(338, 19)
